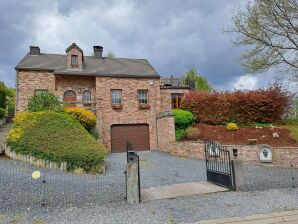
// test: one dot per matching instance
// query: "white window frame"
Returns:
(86, 98)
(143, 97)
(116, 96)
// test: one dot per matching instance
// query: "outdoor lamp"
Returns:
(235, 153)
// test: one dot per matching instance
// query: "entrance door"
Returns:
(136, 134)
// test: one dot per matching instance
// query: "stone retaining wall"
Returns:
(249, 154)
(34, 161)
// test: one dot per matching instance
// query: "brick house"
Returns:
(126, 94)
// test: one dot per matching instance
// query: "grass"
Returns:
(56, 137)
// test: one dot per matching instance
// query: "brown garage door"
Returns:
(136, 134)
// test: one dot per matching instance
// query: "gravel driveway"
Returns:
(85, 198)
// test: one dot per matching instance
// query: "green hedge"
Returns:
(183, 119)
(56, 137)
(2, 113)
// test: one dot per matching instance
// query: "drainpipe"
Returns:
(155, 113)
(17, 92)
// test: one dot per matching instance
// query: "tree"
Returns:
(270, 29)
(3, 95)
(44, 101)
(200, 81)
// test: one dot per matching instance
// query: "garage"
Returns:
(136, 134)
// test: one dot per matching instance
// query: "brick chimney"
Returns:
(34, 50)
(98, 51)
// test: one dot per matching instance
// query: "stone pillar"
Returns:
(239, 175)
(132, 179)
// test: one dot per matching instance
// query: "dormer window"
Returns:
(74, 60)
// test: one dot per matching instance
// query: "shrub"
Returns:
(183, 118)
(270, 105)
(94, 133)
(2, 113)
(179, 134)
(85, 117)
(3, 95)
(232, 127)
(56, 137)
(44, 101)
(192, 133)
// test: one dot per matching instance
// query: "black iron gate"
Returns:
(218, 165)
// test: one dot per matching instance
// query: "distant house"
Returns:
(126, 94)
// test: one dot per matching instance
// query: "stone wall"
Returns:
(28, 82)
(166, 132)
(249, 154)
(130, 113)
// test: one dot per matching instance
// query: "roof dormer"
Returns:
(75, 57)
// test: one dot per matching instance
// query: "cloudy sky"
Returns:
(173, 35)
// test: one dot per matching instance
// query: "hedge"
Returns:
(270, 105)
(183, 119)
(85, 117)
(56, 137)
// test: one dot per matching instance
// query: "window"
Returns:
(69, 96)
(116, 96)
(86, 96)
(74, 60)
(143, 96)
(176, 100)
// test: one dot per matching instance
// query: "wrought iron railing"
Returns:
(172, 82)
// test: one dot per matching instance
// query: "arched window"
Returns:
(69, 96)
(86, 96)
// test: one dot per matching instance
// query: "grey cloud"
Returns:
(174, 35)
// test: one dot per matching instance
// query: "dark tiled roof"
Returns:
(121, 67)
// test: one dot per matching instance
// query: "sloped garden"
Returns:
(263, 116)
(50, 132)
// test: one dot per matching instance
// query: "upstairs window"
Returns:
(69, 96)
(116, 95)
(176, 100)
(143, 96)
(86, 96)
(74, 60)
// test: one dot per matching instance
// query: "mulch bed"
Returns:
(262, 134)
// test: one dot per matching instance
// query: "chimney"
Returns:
(34, 50)
(98, 51)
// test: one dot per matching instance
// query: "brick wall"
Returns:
(130, 113)
(28, 82)
(78, 84)
(249, 154)
(166, 132)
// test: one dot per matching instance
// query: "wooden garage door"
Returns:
(136, 134)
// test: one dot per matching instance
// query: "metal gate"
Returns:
(218, 165)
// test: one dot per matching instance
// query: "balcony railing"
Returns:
(171, 82)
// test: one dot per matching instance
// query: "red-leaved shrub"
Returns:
(269, 105)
